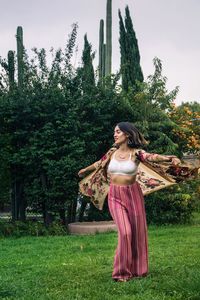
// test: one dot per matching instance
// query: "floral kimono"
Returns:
(152, 175)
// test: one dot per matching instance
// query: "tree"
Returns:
(148, 111)
(34, 125)
(187, 118)
(123, 50)
(130, 57)
(59, 122)
(87, 71)
(157, 91)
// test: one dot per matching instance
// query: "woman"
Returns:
(125, 199)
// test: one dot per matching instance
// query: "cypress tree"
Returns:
(87, 69)
(123, 51)
(133, 48)
(130, 56)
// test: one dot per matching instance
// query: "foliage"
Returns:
(174, 205)
(147, 110)
(4, 172)
(157, 91)
(30, 228)
(187, 115)
(54, 126)
(91, 213)
(35, 126)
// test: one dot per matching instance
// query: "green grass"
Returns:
(79, 267)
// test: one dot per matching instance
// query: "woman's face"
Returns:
(119, 136)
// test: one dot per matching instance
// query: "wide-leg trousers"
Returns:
(126, 205)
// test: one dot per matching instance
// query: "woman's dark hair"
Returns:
(135, 138)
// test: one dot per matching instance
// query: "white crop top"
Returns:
(122, 167)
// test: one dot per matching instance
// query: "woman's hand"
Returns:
(82, 172)
(175, 161)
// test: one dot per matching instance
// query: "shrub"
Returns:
(95, 214)
(173, 205)
(18, 229)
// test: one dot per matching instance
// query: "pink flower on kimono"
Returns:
(176, 171)
(104, 157)
(90, 192)
(153, 182)
(140, 156)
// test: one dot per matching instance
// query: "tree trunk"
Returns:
(62, 216)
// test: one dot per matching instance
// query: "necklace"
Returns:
(122, 156)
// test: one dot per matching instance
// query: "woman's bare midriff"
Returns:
(122, 179)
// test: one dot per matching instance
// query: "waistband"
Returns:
(123, 185)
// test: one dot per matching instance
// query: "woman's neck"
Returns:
(124, 148)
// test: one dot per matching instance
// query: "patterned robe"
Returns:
(152, 175)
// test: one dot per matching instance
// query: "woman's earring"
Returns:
(129, 142)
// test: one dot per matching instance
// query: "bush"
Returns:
(174, 205)
(95, 214)
(87, 212)
(30, 228)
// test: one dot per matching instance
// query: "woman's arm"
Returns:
(145, 156)
(90, 168)
(86, 170)
(97, 164)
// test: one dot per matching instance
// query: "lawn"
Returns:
(79, 267)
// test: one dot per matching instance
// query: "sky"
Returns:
(167, 29)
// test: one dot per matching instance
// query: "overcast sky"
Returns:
(168, 29)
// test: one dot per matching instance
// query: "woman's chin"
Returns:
(116, 144)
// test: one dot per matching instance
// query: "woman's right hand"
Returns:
(82, 172)
(175, 161)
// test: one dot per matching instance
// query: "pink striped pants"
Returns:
(126, 205)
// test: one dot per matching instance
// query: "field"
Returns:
(79, 267)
